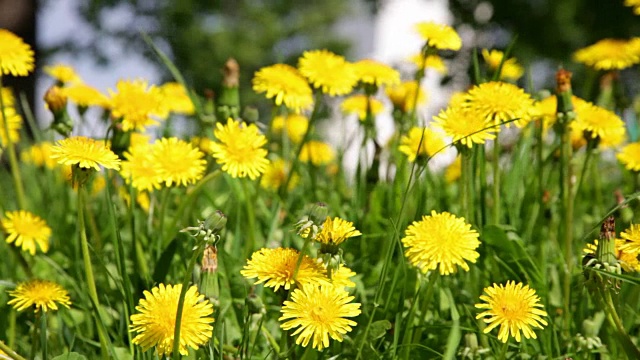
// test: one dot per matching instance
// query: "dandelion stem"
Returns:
(88, 268)
(496, 181)
(13, 159)
(251, 217)
(503, 351)
(183, 292)
(12, 354)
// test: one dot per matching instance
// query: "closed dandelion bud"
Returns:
(250, 114)
(318, 212)
(606, 246)
(55, 99)
(471, 341)
(564, 94)
(216, 221)
(228, 103)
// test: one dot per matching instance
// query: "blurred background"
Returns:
(101, 38)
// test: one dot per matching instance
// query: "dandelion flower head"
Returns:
(464, 125)
(429, 62)
(600, 123)
(376, 73)
(610, 54)
(27, 230)
(499, 101)
(513, 307)
(327, 71)
(276, 267)
(317, 152)
(629, 156)
(342, 277)
(511, 70)
(139, 168)
(44, 295)
(439, 36)
(403, 96)
(453, 171)
(357, 104)
(295, 124)
(63, 73)
(285, 85)
(176, 98)
(421, 143)
(16, 57)
(276, 175)
(137, 104)
(177, 162)
(13, 122)
(155, 321)
(240, 149)
(85, 152)
(635, 4)
(39, 155)
(85, 95)
(632, 239)
(335, 231)
(441, 241)
(319, 313)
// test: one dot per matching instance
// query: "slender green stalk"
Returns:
(10, 353)
(496, 181)
(13, 158)
(197, 252)
(567, 223)
(465, 180)
(43, 334)
(88, 268)
(161, 218)
(35, 339)
(251, 219)
(503, 351)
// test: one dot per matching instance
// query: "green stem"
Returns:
(163, 208)
(43, 334)
(503, 351)
(12, 354)
(35, 342)
(567, 223)
(465, 179)
(183, 291)
(13, 159)
(88, 268)
(251, 217)
(496, 181)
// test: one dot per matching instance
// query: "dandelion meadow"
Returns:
(502, 226)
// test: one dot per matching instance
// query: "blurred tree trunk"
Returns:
(19, 17)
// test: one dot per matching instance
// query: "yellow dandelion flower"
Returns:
(454, 170)
(203, 143)
(628, 260)
(635, 4)
(376, 73)
(610, 54)
(27, 230)
(430, 62)
(14, 122)
(439, 36)
(442, 241)
(39, 155)
(7, 97)
(275, 268)
(84, 152)
(317, 152)
(335, 231)
(328, 71)
(403, 96)
(156, 321)
(464, 125)
(342, 278)
(632, 238)
(240, 149)
(62, 73)
(276, 175)
(511, 70)
(286, 85)
(599, 123)
(140, 168)
(357, 104)
(513, 307)
(176, 99)
(85, 95)
(177, 162)
(296, 125)
(16, 57)
(137, 104)
(546, 109)
(629, 156)
(421, 142)
(498, 101)
(44, 295)
(319, 313)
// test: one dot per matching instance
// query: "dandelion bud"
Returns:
(55, 99)
(255, 304)
(318, 212)
(216, 221)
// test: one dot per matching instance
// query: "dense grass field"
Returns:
(248, 235)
